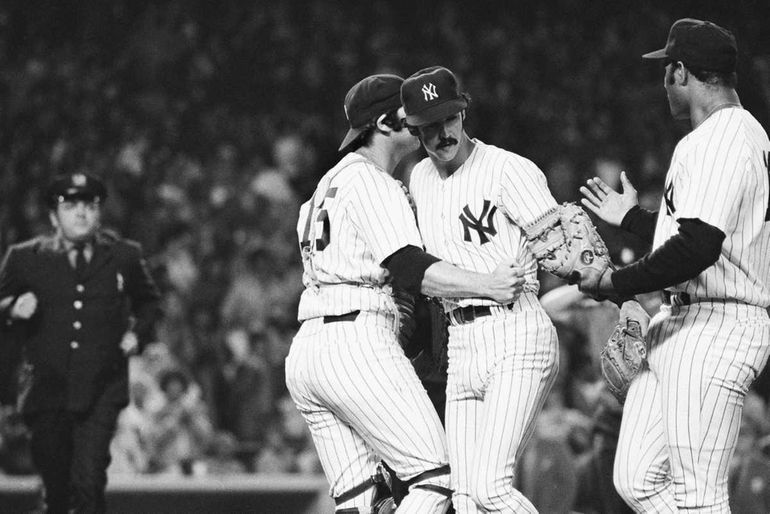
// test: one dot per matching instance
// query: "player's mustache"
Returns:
(447, 142)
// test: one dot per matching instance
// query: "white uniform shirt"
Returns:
(360, 215)
(719, 174)
(473, 218)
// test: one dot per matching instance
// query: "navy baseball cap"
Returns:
(701, 44)
(430, 95)
(367, 99)
(75, 186)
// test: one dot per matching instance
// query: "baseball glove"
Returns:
(626, 350)
(565, 242)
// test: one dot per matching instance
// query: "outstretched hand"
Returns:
(607, 203)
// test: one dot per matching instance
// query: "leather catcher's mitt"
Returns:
(626, 350)
(565, 242)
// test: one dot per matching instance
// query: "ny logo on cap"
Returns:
(78, 180)
(429, 91)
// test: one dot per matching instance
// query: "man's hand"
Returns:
(25, 306)
(597, 284)
(506, 281)
(129, 344)
(606, 203)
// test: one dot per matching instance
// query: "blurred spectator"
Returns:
(595, 491)
(246, 392)
(130, 448)
(288, 445)
(222, 456)
(181, 429)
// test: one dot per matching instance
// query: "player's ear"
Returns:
(681, 73)
(381, 124)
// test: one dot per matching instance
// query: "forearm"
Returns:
(443, 279)
(640, 222)
(683, 257)
(145, 302)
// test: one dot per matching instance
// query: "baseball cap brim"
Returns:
(352, 134)
(437, 112)
(657, 54)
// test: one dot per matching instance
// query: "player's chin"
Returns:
(445, 153)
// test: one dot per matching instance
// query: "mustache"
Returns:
(444, 142)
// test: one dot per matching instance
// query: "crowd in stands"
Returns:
(212, 121)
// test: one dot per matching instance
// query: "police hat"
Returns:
(75, 186)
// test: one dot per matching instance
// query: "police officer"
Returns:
(82, 302)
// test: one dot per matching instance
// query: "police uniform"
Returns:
(77, 373)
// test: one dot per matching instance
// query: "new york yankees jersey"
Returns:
(719, 174)
(473, 218)
(358, 216)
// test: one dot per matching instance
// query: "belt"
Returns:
(350, 316)
(682, 298)
(463, 315)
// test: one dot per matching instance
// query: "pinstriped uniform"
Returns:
(682, 415)
(501, 366)
(350, 380)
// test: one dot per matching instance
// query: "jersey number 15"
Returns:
(322, 221)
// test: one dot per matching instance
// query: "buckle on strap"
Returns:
(351, 493)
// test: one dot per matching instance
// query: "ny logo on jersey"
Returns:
(669, 198)
(472, 222)
(429, 91)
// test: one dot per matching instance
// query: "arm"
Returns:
(145, 299)
(683, 257)
(417, 271)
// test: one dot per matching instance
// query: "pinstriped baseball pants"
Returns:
(682, 415)
(362, 401)
(501, 369)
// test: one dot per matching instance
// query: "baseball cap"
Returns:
(431, 94)
(367, 99)
(74, 186)
(702, 44)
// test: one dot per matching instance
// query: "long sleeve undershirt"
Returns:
(683, 257)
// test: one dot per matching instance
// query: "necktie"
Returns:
(80, 259)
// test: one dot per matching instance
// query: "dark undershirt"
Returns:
(640, 222)
(407, 266)
(684, 256)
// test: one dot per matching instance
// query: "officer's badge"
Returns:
(120, 282)
(79, 180)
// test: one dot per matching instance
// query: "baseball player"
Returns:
(473, 201)
(710, 242)
(363, 261)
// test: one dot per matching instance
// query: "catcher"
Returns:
(566, 243)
